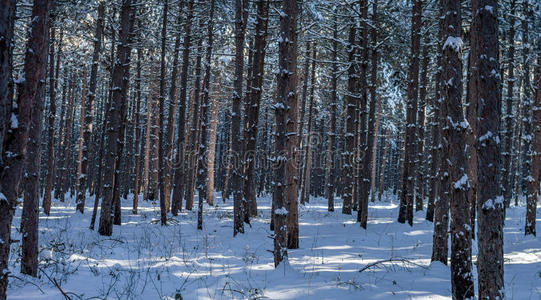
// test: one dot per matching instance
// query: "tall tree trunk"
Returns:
(408, 177)
(99, 192)
(17, 123)
(490, 205)
(170, 135)
(148, 133)
(58, 176)
(386, 147)
(30, 213)
(533, 178)
(305, 185)
(80, 206)
(455, 134)
(138, 128)
(254, 103)
(366, 126)
(241, 12)
(178, 180)
(202, 178)
(350, 128)
(420, 176)
(164, 198)
(506, 170)
(302, 105)
(440, 246)
(288, 63)
(114, 118)
(192, 147)
(212, 142)
(67, 150)
(89, 111)
(286, 111)
(330, 172)
(54, 71)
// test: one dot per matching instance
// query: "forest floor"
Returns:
(143, 260)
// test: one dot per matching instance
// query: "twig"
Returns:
(27, 281)
(60, 289)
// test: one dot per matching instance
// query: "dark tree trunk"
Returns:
(306, 179)
(408, 177)
(138, 133)
(254, 100)
(202, 179)
(241, 13)
(490, 205)
(114, 118)
(420, 176)
(286, 111)
(54, 71)
(164, 197)
(178, 180)
(350, 128)
(89, 111)
(17, 123)
(170, 134)
(330, 172)
(455, 134)
(533, 178)
(80, 205)
(506, 170)
(192, 147)
(440, 246)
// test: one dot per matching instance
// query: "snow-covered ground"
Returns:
(143, 260)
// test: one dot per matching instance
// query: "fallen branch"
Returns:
(402, 260)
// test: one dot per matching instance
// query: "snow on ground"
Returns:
(143, 260)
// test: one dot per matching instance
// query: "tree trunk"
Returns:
(286, 110)
(138, 128)
(89, 111)
(212, 142)
(178, 180)
(58, 176)
(305, 186)
(350, 128)
(53, 84)
(383, 163)
(148, 133)
(420, 177)
(241, 12)
(506, 170)
(455, 134)
(114, 118)
(164, 197)
(408, 177)
(192, 147)
(170, 135)
(17, 123)
(204, 151)
(330, 172)
(490, 205)
(255, 94)
(533, 178)
(80, 205)
(440, 246)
